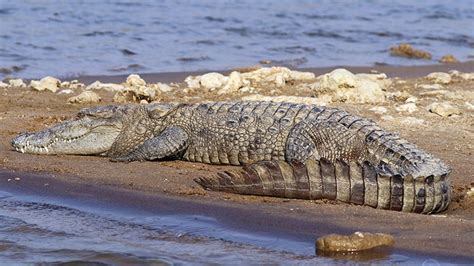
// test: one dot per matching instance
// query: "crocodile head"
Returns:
(92, 131)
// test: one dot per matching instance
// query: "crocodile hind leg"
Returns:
(171, 142)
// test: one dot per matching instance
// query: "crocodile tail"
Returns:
(358, 183)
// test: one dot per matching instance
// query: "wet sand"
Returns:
(451, 139)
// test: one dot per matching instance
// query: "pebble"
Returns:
(444, 109)
(3, 84)
(387, 117)
(378, 109)
(439, 77)
(47, 83)
(17, 83)
(430, 86)
(412, 121)
(408, 108)
(85, 97)
(355, 242)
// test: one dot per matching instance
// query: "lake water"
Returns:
(70, 38)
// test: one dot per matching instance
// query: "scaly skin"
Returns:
(290, 150)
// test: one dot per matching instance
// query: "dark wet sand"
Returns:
(283, 220)
(169, 186)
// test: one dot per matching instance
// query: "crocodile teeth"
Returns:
(46, 149)
(22, 150)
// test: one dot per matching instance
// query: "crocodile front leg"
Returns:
(171, 142)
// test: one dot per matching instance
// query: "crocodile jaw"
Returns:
(70, 137)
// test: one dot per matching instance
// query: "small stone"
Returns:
(469, 106)
(3, 84)
(212, 81)
(448, 59)
(412, 121)
(85, 97)
(355, 242)
(439, 77)
(97, 85)
(47, 83)
(411, 99)
(234, 83)
(434, 93)
(143, 102)
(135, 80)
(17, 83)
(164, 87)
(444, 109)
(66, 91)
(406, 50)
(387, 117)
(408, 108)
(429, 86)
(378, 110)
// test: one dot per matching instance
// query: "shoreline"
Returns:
(448, 234)
(258, 221)
(391, 71)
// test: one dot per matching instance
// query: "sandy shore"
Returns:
(451, 139)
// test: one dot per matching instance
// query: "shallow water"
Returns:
(82, 223)
(69, 38)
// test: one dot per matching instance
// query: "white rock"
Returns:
(234, 83)
(3, 84)
(464, 76)
(164, 87)
(105, 86)
(408, 108)
(378, 109)
(66, 91)
(412, 121)
(85, 97)
(387, 117)
(338, 78)
(439, 77)
(47, 83)
(134, 80)
(430, 86)
(291, 99)
(347, 87)
(469, 106)
(193, 82)
(444, 109)
(17, 83)
(411, 99)
(212, 81)
(380, 79)
(467, 76)
(434, 93)
(277, 76)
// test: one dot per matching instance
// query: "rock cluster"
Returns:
(251, 81)
(343, 86)
(355, 242)
(135, 89)
(406, 50)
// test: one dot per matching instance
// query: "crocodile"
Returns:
(286, 150)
